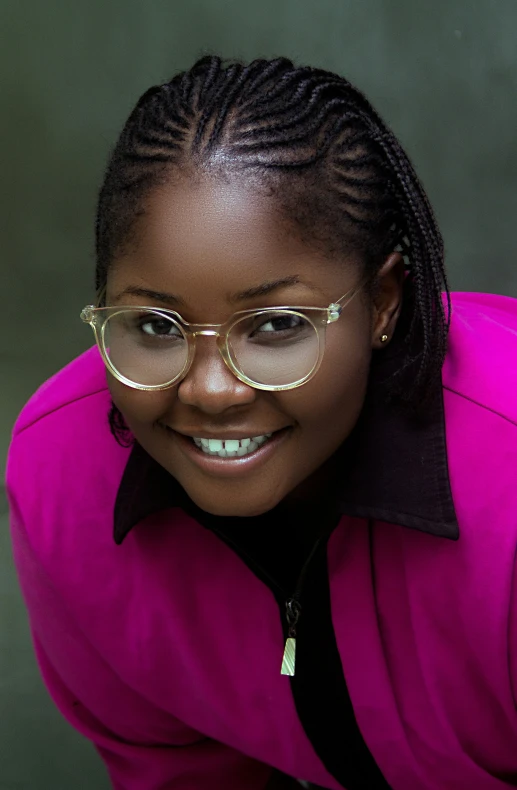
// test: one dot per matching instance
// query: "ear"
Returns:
(387, 299)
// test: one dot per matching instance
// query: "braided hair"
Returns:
(337, 170)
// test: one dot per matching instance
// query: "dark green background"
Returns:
(443, 74)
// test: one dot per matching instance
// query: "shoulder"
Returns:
(83, 378)
(481, 361)
(63, 463)
(480, 386)
(480, 395)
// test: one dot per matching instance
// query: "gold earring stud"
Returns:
(384, 338)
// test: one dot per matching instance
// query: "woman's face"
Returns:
(206, 242)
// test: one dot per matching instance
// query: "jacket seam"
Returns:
(482, 405)
(512, 674)
(17, 431)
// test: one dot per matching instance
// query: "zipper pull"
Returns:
(293, 611)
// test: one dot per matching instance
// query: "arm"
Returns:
(143, 747)
(188, 762)
(512, 635)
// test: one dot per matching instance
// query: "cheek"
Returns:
(330, 403)
(139, 407)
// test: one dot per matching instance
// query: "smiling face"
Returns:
(207, 242)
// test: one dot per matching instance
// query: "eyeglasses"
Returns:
(275, 348)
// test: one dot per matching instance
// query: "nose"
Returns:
(210, 385)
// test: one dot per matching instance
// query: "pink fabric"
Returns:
(165, 651)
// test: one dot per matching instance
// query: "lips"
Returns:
(224, 463)
(230, 448)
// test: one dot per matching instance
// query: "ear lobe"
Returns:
(387, 299)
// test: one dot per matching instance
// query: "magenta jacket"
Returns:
(159, 630)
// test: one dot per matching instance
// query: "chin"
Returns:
(233, 509)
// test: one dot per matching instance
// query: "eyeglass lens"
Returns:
(274, 348)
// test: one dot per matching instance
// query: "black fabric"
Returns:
(399, 472)
(320, 691)
(319, 688)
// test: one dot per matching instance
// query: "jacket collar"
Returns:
(394, 468)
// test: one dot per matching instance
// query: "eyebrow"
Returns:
(147, 293)
(264, 288)
(250, 293)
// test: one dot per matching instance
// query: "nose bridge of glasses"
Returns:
(206, 332)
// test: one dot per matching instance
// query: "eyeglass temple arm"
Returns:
(335, 309)
(100, 296)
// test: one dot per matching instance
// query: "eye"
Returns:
(283, 322)
(155, 325)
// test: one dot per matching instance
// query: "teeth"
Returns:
(231, 448)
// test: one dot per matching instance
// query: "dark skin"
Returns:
(204, 241)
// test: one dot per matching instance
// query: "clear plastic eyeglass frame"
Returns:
(319, 317)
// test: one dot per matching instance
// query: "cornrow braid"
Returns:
(338, 171)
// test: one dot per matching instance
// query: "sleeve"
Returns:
(512, 633)
(188, 762)
(161, 753)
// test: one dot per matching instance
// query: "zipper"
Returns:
(293, 608)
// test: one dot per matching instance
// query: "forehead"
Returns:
(208, 238)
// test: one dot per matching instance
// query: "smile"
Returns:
(230, 458)
(231, 448)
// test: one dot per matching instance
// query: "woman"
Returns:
(289, 551)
